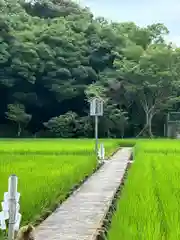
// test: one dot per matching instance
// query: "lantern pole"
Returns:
(96, 134)
(96, 110)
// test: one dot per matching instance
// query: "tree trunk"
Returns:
(122, 132)
(149, 124)
(108, 133)
(147, 129)
(19, 130)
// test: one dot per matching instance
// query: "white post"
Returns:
(12, 190)
(101, 153)
(96, 110)
(96, 135)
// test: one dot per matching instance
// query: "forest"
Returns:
(55, 55)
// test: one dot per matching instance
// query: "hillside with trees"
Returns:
(54, 56)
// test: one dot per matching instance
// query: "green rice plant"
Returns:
(56, 146)
(43, 180)
(47, 170)
(149, 205)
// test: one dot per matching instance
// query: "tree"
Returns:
(152, 83)
(114, 120)
(84, 127)
(16, 113)
(54, 56)
(62, 126)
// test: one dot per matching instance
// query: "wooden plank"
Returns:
(82, 214)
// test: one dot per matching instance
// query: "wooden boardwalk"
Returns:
(82, 214)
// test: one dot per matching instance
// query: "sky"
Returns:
(142, 12)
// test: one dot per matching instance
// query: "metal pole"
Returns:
(12, 205)
(96, 134)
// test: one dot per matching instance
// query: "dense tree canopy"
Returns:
(54, 56)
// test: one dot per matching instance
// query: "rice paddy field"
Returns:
(148, 207)
(47, 171)
(149, 204)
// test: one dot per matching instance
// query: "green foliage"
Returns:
(62, 126)
(16, 113)
(54, 56)
(60, 169)
(149, 203)
(114, 121)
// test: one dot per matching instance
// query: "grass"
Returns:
(43, 180)
(57, 147)
(149, 204)
(47, 170)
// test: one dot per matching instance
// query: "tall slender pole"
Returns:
(96, 134)
(12, 205)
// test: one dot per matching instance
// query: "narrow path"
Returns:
(81, 215)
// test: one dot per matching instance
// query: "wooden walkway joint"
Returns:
(82, 214)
